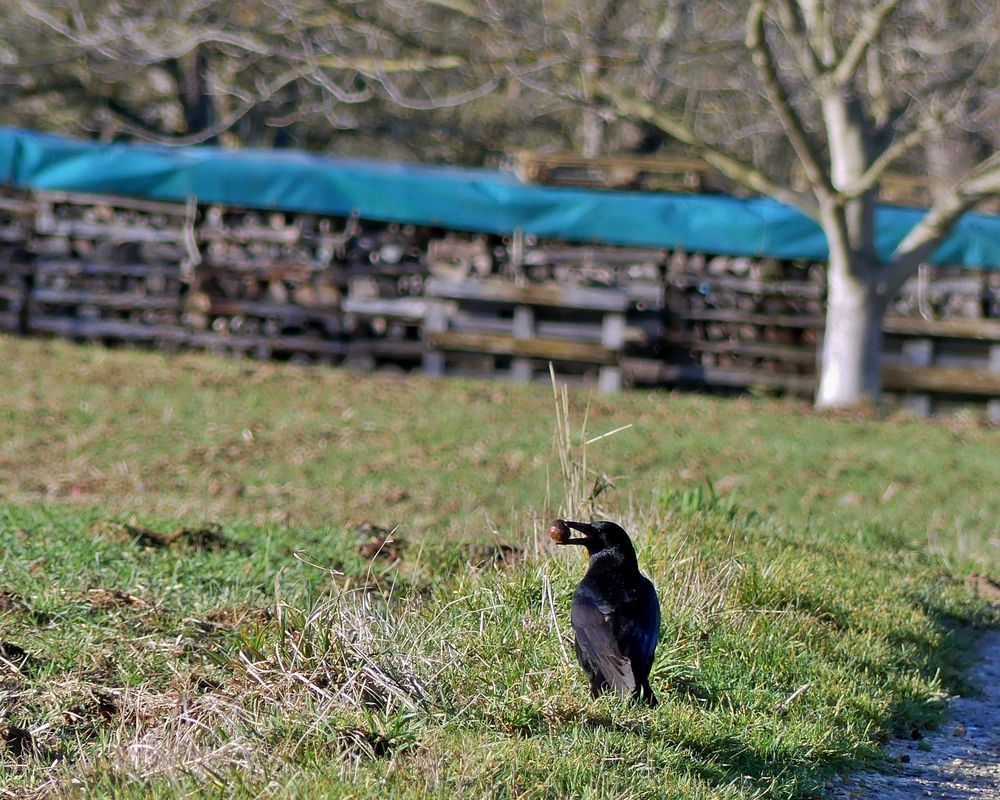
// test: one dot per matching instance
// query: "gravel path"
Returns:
(961, 761)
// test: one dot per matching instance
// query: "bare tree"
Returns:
(856, 88)
(195, 71)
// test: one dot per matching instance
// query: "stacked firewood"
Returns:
(748, 316)
(16, 223)
(949, 293)
(107, 269)
(311, 288)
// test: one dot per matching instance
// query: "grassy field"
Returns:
(811, 571)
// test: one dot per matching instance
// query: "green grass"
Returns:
(789, 549)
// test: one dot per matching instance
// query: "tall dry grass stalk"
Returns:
(583, 487)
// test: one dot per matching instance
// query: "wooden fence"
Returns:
(309, 288)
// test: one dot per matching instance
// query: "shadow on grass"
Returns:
(773, 761)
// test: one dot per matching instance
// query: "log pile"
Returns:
(16, 224)
(738, 317)
(313, 288)
(522, 328)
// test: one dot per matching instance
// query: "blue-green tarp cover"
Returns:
(459, 199)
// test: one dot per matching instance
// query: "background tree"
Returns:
(856, 89)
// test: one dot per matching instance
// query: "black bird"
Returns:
(616, 614)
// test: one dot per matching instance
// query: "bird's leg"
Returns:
(644, 694)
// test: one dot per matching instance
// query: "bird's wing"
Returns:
(596, 639)
(640, 642)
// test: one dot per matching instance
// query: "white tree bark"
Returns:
(852, 341)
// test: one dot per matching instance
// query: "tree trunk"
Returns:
(852, 342)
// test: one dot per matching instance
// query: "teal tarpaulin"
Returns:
(460, 199)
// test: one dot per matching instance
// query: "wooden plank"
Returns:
(15, 233)
(248, 233)
(104, 329)
(548, 294)
(593, 255)
(19, 268)
(647, 295)
(750, 318)
(271, 269)
(943, 380)
(410, 349)
(116, 201)
(130, 331)
(112, 231)
(660, 163)
(406, 308)
(971, 285)
(790, 353)
(278, 344)
(641, 332)
(993, 406)
(75, 266)
(988, 329)
(498, 344)
(435, 324)
(616, 171)
(125, 301)
(918, 353)
(652, 371)
(13, 205)
(283, 311)
(801, 289)
(523, 327)
(9, 293)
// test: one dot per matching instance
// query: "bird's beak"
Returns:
(588, 532)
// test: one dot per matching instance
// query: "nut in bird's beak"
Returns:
(559, 531)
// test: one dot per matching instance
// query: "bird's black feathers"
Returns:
(616, 614)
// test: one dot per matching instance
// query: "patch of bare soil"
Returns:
(232, 617)
(17, 741)
(109, 599)
(11, 602)
(499, 555)
(376, 542)
(984, 588)
(13, 657)
(209, 537)
(959, 762)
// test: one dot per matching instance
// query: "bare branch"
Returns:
(794, 29)
(899, 148)
(449, 101)
(917, 246)
(248, 104)
(389, 65)
(740, 171)
(763, 58)
(870, 30)
(820, 33)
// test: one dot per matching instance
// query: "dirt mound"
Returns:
(984, 588)
(209, 537)
(500, 555)
(378, 543)
(14, 656)
(11, 602)
(108, 599)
